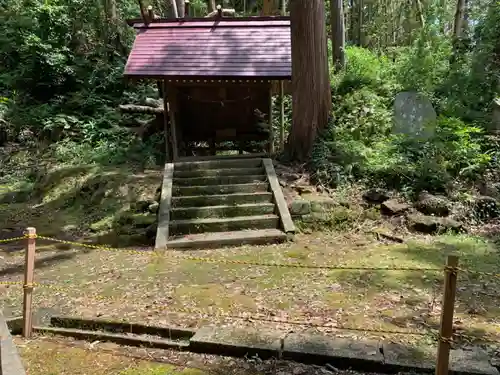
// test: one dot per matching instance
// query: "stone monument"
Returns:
(414, 115)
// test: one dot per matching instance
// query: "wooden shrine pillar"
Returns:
(271, 132)
(170, 105)
(282, 115)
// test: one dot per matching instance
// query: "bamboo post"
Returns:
(29, 268)
(446, 329)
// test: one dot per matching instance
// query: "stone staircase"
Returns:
(222, 202)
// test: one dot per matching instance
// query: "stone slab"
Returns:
(165, 204)
(10, 359)
(462, 362)
(471, 362)
(339, 352)
(236, 342)
(406, 357)
(286, 219)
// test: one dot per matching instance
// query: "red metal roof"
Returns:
(213, 49)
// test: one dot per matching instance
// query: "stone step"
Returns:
(219, 172)
(250, 209)
(220, 189)
(224, 199)
(226, 224)
(220, 239)
(218, 164)
(219, 180)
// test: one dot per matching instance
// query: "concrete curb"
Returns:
(10, 360)
(366, 355)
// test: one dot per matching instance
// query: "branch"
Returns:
(225, 13)
(133, 108)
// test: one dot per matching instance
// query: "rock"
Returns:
(300, 207)
(491, 189)
(429, 204)
(394, 207)
(376, 196)
(137, 220)
(304, 189)
(141, 206)
(153, 207)
(282, 183)
(433, 224)
(323, 205)
(486, 207)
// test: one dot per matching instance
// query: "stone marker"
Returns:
(414, 115)
(495, 118)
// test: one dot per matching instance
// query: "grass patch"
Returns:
(49, 358)
(172, 291)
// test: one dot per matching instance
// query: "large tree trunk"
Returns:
(310, 80)
(338, 33)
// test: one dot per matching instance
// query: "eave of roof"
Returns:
(242, 48)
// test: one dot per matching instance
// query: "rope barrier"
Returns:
(246, 317)
(257, 264)
(243, 262)
(13, 239)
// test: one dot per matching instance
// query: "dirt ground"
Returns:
(173, 289)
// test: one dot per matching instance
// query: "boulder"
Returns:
(432, 224)
(376, 195)
(394, 207)
(300, 207)
(436, 205)
(323, 205)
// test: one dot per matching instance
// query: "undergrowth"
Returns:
(360, 144)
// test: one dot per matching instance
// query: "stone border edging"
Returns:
(368, 355)
(10, 360)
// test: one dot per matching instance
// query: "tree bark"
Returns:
(338, 33)
(360, 22)
(459, 18)
(212, 6)
(180, 8)
(310, 79)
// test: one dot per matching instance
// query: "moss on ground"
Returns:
(49, 358)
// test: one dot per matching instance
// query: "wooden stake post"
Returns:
(446, 329)
(29, 268)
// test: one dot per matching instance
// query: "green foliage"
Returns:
(359, 143)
